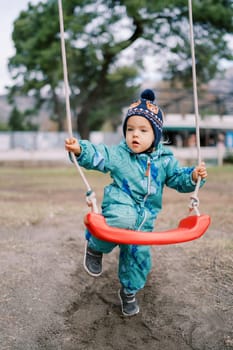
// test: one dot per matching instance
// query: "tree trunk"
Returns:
(83, 126)
(58, 111)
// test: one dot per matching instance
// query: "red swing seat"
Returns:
(189, 228)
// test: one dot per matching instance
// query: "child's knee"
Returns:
(99, 245)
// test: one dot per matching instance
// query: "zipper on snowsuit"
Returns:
(148, 175)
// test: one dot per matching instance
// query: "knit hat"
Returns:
(147, 109)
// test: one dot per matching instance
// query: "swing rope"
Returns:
(194, 201)
(190, 228)
(90, 195)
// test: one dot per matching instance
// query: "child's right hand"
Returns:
(72, 145)
(201, 171)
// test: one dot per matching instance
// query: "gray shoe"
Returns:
(93, 262)
(129, 305)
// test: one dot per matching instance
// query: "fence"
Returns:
(42, 141)
(46, 146)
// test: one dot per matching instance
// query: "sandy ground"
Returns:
(48, 301)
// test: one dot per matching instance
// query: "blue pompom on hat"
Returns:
(147, 109)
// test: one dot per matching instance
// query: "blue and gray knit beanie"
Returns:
(145, 107)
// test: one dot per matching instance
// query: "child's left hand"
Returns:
(201, 171)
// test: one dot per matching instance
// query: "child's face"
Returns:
(139, 134)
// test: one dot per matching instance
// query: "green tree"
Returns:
(106, 43)
(4, 127)
(21, 121)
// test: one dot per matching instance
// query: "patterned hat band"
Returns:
(153, 118)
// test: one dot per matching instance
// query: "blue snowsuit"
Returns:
(133, 199)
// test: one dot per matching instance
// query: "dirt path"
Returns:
(49, 302)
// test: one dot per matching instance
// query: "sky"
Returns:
(9, 12)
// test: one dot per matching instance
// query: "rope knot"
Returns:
(194, 204)
(91, 200)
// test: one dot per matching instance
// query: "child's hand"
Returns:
(72, 145)
(201, 171)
